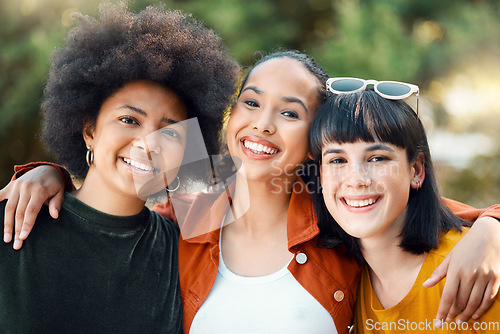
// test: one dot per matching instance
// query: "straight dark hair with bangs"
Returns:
(366, 116)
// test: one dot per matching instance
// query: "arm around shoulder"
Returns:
(20, 170)
(472, 266)
(32, 185)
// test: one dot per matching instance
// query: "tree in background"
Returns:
(449, 48)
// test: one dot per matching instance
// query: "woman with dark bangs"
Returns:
(380, 200)
(115, 109)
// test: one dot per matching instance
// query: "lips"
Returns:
(139, 165)
(260, 146)
(360, 203)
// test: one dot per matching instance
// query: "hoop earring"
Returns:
(89, 156)
(177, 187)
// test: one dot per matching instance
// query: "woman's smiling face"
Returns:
(366, 187)
(137, 140)
(269, 124)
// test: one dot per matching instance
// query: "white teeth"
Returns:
(259, 148)
(358, 204)
(138, 165)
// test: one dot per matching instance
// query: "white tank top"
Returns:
(274, 303)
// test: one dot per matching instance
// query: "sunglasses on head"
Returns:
(392, 90)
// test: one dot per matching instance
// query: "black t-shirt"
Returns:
(90, 272)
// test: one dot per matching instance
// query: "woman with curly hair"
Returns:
(115, 110)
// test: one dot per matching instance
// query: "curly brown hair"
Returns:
(102, 55)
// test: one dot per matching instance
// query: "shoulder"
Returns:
(43, 215)
(182, 203)
(447, 241)
(159, 222)
(3, 204)
(42, 229)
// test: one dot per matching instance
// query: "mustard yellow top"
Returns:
(416, 311)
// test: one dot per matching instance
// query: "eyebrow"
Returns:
(332, 150)
(377, 147)
(255, 89)
(371, 148)
(295, 100)
(286, 98)
(145, 114)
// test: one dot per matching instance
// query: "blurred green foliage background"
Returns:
(450, 48)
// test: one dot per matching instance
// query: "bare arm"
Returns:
(472, 267)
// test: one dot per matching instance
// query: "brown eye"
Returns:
(129, 120)
(379, 158)
(251, 103)
(336, 161)
(169, 132)
(290, 114)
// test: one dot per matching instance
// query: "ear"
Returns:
(418, 168)
(88, 133)
(310, 156)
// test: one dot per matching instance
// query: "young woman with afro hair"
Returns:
(115, 108)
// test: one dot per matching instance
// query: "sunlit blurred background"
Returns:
(450, 48)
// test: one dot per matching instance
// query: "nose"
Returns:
(264, 121)
(149, 144)
(357, 176)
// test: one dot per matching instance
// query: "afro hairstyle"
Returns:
(102, 55)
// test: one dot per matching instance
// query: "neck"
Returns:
(259, 206)
(392, 270)
(383, 258)
(110, 201)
